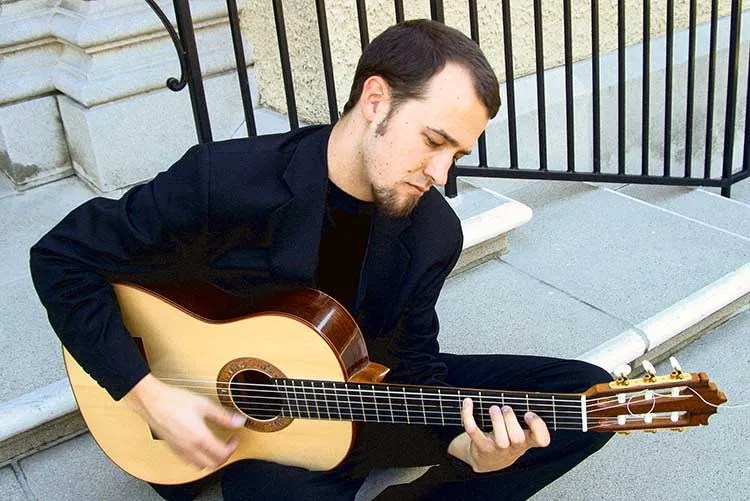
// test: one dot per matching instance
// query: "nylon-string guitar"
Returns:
(295, 363)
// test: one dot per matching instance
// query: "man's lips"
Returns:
(420, 189)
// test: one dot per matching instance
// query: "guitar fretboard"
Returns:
(425, 405)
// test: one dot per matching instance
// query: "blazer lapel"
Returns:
(296, 225)
(385, 266)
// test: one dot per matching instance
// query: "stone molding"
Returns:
(74, 73)
(99, 51)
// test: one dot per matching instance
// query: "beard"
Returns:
(389, 203)
(388, 200)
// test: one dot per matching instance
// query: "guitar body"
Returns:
(179, 344)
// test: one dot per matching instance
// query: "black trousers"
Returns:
(384, 445)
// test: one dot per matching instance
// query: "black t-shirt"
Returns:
(343, 246)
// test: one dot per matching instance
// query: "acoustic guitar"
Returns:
(296, 365)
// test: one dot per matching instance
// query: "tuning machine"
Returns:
(650, 376)
(676, 368)
(621, 374)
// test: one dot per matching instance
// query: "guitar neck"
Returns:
(425, 405)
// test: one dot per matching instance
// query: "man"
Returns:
(350, 210)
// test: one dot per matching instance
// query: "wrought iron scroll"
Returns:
(172, 83)
(187, 53)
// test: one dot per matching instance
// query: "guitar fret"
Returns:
(338, 404)
(528, 409)
(362, 401)
(424, 414)
(375, 400)
(296, 399)
(481, 411)
(460, 404)
(390, 404)
(406, 405)
(554, 414)
(442, 414)
(286, 393)
(307, 400)
(325, 399)
(315, 398)
(349, 401)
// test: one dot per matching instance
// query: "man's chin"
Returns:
(398, 208)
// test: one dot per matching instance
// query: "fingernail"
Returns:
(495, 409)
(530, 415)
(238, 419)
(506, 409)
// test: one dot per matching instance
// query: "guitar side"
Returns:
(181, 345)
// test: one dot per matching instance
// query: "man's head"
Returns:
(422, 95)
(408, 54)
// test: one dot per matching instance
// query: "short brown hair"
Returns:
(408, 54)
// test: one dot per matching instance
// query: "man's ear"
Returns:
(375, 98)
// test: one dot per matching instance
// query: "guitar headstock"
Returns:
(675, 401)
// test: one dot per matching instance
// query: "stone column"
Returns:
(87, 89)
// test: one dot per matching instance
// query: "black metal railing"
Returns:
(570, 166)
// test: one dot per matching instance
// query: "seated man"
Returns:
(349, 209)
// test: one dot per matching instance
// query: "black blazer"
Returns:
(238, 214)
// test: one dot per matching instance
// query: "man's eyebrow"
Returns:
(448, 138)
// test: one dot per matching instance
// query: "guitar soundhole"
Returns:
(254, 394)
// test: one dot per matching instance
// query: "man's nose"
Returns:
(438, 167)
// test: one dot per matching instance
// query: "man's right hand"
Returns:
(180, 418)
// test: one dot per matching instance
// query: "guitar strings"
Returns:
(298, 393)
(369, 393)
(560, 397)
(385, 408)
(274, 388)
(375, 405)
(723, 406)
(361, 394)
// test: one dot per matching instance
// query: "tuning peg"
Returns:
(621, 374)
(676, 368)
(623, 371)
(650, 371)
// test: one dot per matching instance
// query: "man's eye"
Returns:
(431, 143)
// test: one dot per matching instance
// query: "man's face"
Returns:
(414, 148)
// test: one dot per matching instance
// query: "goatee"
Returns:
(390, 204)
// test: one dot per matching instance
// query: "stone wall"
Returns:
(305, 52)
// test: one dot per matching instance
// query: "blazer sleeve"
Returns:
(413, 346)
(142, 233)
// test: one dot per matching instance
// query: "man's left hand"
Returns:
(496, 450)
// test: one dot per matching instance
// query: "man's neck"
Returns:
(345, 161)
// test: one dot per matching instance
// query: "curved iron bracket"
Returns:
(172, 83)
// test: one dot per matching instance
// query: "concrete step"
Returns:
(598, 275)
(728, 214)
